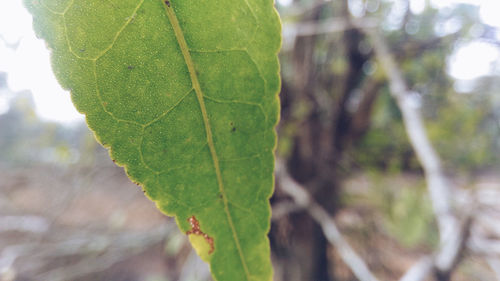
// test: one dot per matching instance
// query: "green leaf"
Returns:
(184, 94)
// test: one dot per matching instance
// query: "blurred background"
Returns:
(68, 213)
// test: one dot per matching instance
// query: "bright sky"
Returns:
(28, 66)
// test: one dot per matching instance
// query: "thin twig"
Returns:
(291, 31)
(282, 209)
(452, 234)
(321, 216)
(409, 104)
(97, 252)
(419, 271)
(494, 263)
(24, 223)
(331, 25)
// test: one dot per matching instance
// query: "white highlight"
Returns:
(28, 66)
(473, 60)
(489, 12)
(417, 6)
(488, 9)
(285, 2)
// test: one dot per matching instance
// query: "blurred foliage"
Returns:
(407, 212)
(340, 123)
(385, 146)
(402, 208)
(27, 140)
(463, 133)
(463, 129)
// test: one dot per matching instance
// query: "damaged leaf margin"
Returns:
(202, 243)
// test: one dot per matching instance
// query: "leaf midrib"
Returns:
(199, 95)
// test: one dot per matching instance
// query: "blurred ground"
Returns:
(389, 221)
(92, 223)
(71, 223)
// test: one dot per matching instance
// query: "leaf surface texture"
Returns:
(184, 94)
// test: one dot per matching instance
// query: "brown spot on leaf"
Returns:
(195, 229)
(167, 3)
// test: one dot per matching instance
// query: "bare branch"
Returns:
(34, 224)
(451, 236)
(419, 271)
(282, 209)
(409, 104)
(321, 216)
(332, 25)
(97, 252)
(494, 263)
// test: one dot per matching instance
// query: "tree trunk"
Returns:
(324, 132)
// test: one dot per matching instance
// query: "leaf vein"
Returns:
(244, 209)
(199, 94)
(141, 155)
(258, 69)
(101, 102)
(236, 50)
(255, 18)
(115, 38)
(258, 155)
(240, 102)
(70, 48)
(69, 6)
(168, 110)
(218, 50)
(66, 37)
(50, 9)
